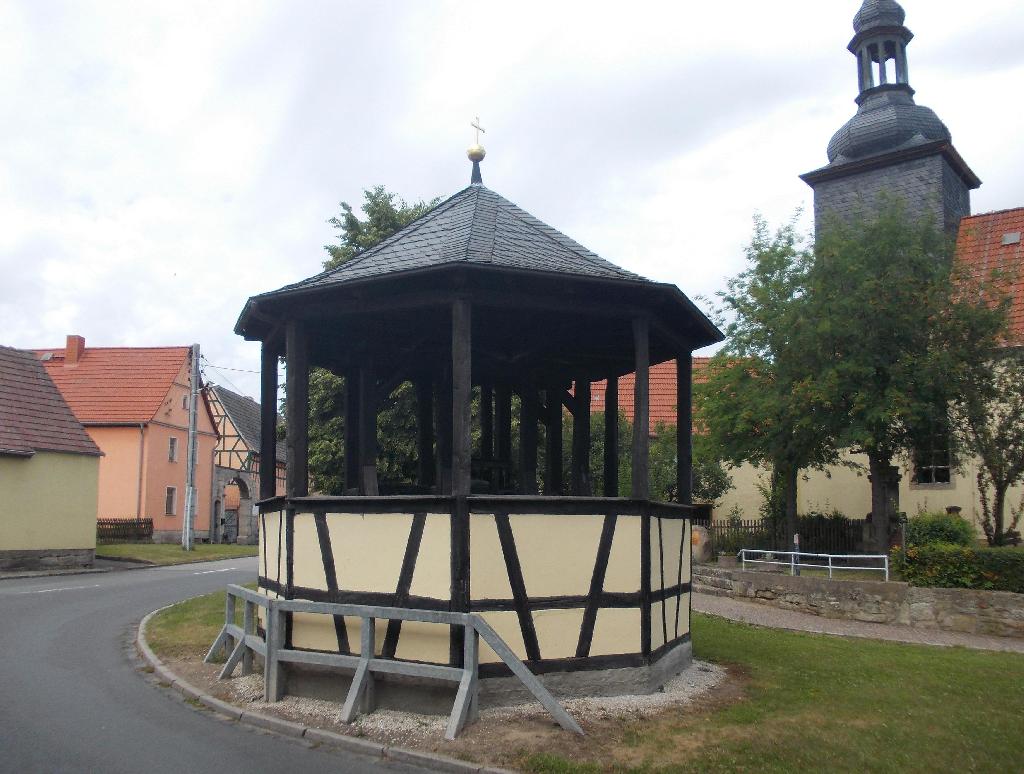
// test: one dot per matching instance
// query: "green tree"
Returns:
(758, 404)
(385, 213)
(892, 331)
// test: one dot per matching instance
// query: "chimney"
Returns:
(74, 350)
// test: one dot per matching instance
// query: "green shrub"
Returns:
(951, 566)
(926, 529)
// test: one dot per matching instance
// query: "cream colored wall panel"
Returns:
(368, 549)
(657, 632)
(684, 615)
(354, 627)
(623, 574)
(268, 547)
(557, 552)
(433, 573)
(558, 632)
(667, 559)
(308, 567)
(488, 575)
(616, 631)
(506, 624)
(313, 631)
(423, 642)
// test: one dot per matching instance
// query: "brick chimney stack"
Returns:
(74, 350)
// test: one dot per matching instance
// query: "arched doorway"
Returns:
(236, 501)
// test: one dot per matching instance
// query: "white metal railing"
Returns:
(795, 560)
(239, 643)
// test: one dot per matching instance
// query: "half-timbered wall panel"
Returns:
(670, 579)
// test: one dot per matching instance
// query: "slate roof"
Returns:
(981, 250)
(110, 385)
(878, 13)
(33, 415)
(475, 226)
(662, 384)
(244, 413)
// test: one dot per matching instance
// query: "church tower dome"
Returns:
(891, 139)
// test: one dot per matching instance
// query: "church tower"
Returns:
(892, 144)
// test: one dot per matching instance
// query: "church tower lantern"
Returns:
(892, 144)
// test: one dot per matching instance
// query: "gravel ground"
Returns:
(766, 615)
(396, 727)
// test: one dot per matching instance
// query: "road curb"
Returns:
(297, 730)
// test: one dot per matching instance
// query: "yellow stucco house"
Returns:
(49, 472)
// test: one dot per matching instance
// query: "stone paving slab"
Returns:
(773, 617)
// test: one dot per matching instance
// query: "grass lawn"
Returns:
(809, 703)
(171, 553)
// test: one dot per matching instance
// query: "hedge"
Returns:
(949, 566)
(929, 528)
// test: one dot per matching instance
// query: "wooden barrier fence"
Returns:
(124, 530)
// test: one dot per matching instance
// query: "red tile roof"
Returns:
(33, 415)
(981, 250)
(662, 387)
(111, 385)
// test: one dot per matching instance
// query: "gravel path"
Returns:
(765, 615)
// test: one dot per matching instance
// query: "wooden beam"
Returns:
(297, 409)
(553, 438)
(528, 441)
(641, 408)
(611, 438)
(352, 430)
(268, 421)
(581, 441)
(368, 430)
(425, 431)
(684, 428)
(443, 428)
(503, 434)
(462, 398)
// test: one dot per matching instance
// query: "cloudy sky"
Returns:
(160, 162)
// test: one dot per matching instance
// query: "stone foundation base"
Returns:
(432, 697)
(47, 559)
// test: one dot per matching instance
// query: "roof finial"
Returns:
(476, 153)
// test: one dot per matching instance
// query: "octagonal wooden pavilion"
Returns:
(478, 297)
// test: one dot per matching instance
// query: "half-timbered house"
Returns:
(236, 461)
(477, 301)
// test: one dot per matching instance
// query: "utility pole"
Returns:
(193, 453)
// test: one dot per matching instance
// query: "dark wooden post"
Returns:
(462, 448)
(268, 421)
(297, 409)
(684, 428)
(352, 431)
(553, 438)
(462, 393)
(503, 434)
(528, 410)
(641, 408)
(425, 431)
(611, 438)
(368, 430)
(581, 440)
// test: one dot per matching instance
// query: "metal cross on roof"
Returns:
(476, 125)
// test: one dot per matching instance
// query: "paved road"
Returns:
(71, 700)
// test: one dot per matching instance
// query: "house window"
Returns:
(172, 449)
(932, 462)
(184, 402)
(171, 501)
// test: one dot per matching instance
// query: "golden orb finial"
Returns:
(476, 152)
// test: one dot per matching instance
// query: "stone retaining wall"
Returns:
(999, 613)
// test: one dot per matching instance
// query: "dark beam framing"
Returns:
(352, 430)
(297, 409)
(581, 441)
(641, 408)
(268, 422)
(425, 431)
(462, 398)
(528, 403)
(684, 428)
(443, 428)
(367, 430)
(611, 438)
(553, 441)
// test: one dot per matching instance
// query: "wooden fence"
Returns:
(124, 530)
(826, 536)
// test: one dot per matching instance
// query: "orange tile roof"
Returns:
(980, 250)
(110, 385)
(662, 387)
